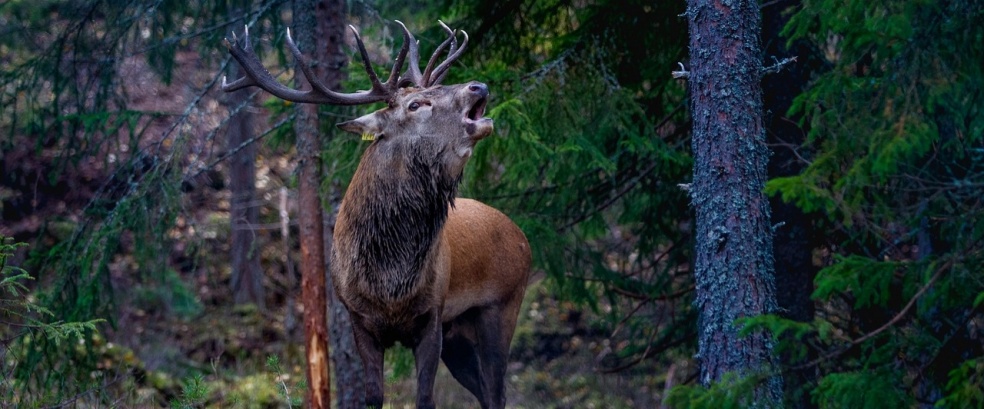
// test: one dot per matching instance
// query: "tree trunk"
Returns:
(733, 264)
(313, 296)
(349, 385)
(247, 278)
(795, 239)
(349, 374)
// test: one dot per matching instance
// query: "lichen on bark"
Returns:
(734, 262)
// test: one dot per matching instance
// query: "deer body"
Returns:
(443, 276)
(460, 304)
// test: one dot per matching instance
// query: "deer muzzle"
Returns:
(476, 124)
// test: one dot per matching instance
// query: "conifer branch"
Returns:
(898, 317)
(775, 68)
(682, 74)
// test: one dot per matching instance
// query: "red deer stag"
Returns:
(443, 276)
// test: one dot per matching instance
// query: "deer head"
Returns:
(441, 120)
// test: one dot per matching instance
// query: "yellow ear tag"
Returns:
(368, 137)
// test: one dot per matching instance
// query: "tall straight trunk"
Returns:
(349, 385)
(313, 284)
(349, 374)
(796, 238)
(733, 264)
(247, 278)
(794, 242)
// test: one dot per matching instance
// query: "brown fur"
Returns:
(442, 276)
(482, 306)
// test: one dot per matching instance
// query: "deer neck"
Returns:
(397, 209)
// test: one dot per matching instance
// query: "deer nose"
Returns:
(479, 88)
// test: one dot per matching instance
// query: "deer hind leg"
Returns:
(494, 335)
(476, 350)
(496, 325)
(460, 354)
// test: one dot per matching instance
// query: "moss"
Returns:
(254, 391)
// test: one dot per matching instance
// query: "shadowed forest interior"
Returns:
(151, 227)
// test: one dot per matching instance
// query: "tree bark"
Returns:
(734, 261)
(349, 385)
(349, 373)
(313, 285)
(247, 278)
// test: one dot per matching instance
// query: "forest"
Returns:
(729, 203)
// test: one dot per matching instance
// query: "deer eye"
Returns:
(414, 106)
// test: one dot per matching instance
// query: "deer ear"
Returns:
(364, 125)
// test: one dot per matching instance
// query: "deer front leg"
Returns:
(371, 352)
(426, 354)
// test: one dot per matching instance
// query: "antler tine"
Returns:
(392, 83)
(365, 58)
(412, 75)
(429, 71)
(305, 65)
(408, 43)
(239, 53)
(454, 37)
(257, 75)
(442, 70)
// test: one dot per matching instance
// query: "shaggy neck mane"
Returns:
(403, 210)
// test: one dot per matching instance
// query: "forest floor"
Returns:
(159, 344)
(553, 364)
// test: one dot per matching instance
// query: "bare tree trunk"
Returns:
(313, 296)
(349, 384)
(247, 278)
(734, 261)
(349, 373)
(796, 236)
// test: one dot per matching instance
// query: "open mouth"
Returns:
(476, 125)
(477, 110)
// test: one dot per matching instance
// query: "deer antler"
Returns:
(431, 75)
(319, 93)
